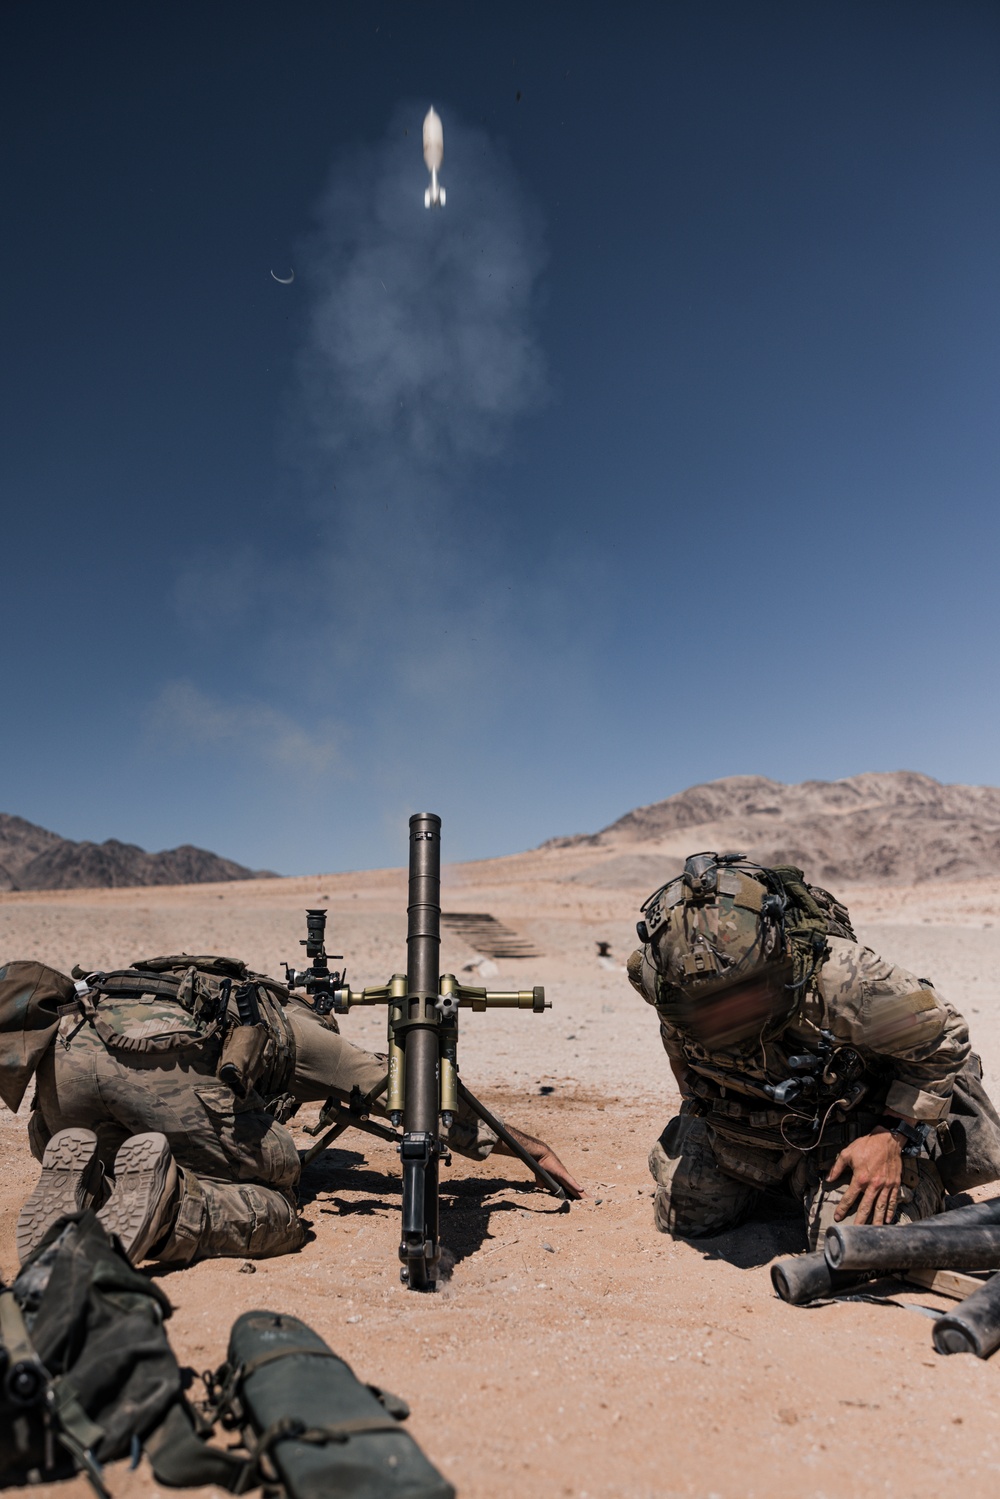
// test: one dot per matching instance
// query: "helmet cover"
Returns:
(726, 969)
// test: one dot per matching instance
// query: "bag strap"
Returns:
(181, 1458)
(244, 1371)
(150, 1045)
(291, 1429)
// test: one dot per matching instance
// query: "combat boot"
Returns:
(70, 1181)
(143, 1201)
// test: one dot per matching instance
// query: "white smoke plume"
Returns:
(415, 629)
(422, 346)
(422, 352)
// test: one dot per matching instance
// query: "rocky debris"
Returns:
(896, 826)
(32, 858)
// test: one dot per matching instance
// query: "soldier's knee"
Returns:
(231, 1220)
(684, 1215)
(683, 1136)
(694, 1197)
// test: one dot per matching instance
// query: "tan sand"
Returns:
(575, 1353)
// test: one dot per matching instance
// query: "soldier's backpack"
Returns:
(86, 1367)
(237, 1012)
(87, 1376)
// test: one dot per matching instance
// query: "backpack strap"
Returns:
(182, 1458)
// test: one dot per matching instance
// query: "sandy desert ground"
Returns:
(579, 1352)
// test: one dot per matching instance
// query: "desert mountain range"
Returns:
(896, 826)
(32, 858)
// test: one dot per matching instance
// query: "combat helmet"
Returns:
(728, 927)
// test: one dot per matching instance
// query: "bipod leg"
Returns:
(355, 1116)
(314, 1150)
(515, 1147)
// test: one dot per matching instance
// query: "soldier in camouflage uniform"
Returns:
(162, 1091)
(806, 1063)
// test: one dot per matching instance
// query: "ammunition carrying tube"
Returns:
(807, 1277)
(974, 1325)
(933, 1244)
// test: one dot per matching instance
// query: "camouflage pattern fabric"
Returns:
(31, 997)
(239, 1166)
(705, 1185)
(875, 1006)
(711, 1163)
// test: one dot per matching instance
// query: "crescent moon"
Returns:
(285, 280)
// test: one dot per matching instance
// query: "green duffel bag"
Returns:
(86, 1371)
(327, 1435)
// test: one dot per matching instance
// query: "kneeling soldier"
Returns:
(806, 1063)
(162, 1093)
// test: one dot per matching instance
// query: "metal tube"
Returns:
(396, 1054)
(448, 1036)
(933, 1244)
(423, 967)
(974, 1325)
(807, 1277)
(420, 1250)
(976, 1215)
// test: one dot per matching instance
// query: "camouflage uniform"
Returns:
(142, 1064)
(726, 1146)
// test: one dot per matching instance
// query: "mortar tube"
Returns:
(974, 1325)
(929, 1245)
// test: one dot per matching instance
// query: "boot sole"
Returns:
(143, 1168)
(62, 1187)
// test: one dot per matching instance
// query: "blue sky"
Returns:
(668, 450)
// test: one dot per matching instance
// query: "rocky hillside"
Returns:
(898, 826)
(32, 858)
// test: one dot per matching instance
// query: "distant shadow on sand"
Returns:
(775, 1229)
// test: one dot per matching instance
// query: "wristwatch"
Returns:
(913, 1136)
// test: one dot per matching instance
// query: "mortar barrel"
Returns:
(423, 945)
(974, 1325)
(933, 1244)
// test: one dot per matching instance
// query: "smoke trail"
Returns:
(422, 352)
(422, 347)
(393, 654)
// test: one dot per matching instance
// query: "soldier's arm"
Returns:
(889, 1013)
(545, 1156)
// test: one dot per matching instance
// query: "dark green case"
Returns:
(327, 1434)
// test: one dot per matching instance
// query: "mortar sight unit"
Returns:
(423, 1089)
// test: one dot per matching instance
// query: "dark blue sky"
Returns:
(667, 451)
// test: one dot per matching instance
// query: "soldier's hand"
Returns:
(875, 1163)
(546, 1158)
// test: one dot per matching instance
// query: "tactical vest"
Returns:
(217, 1003)
(826, 1093)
